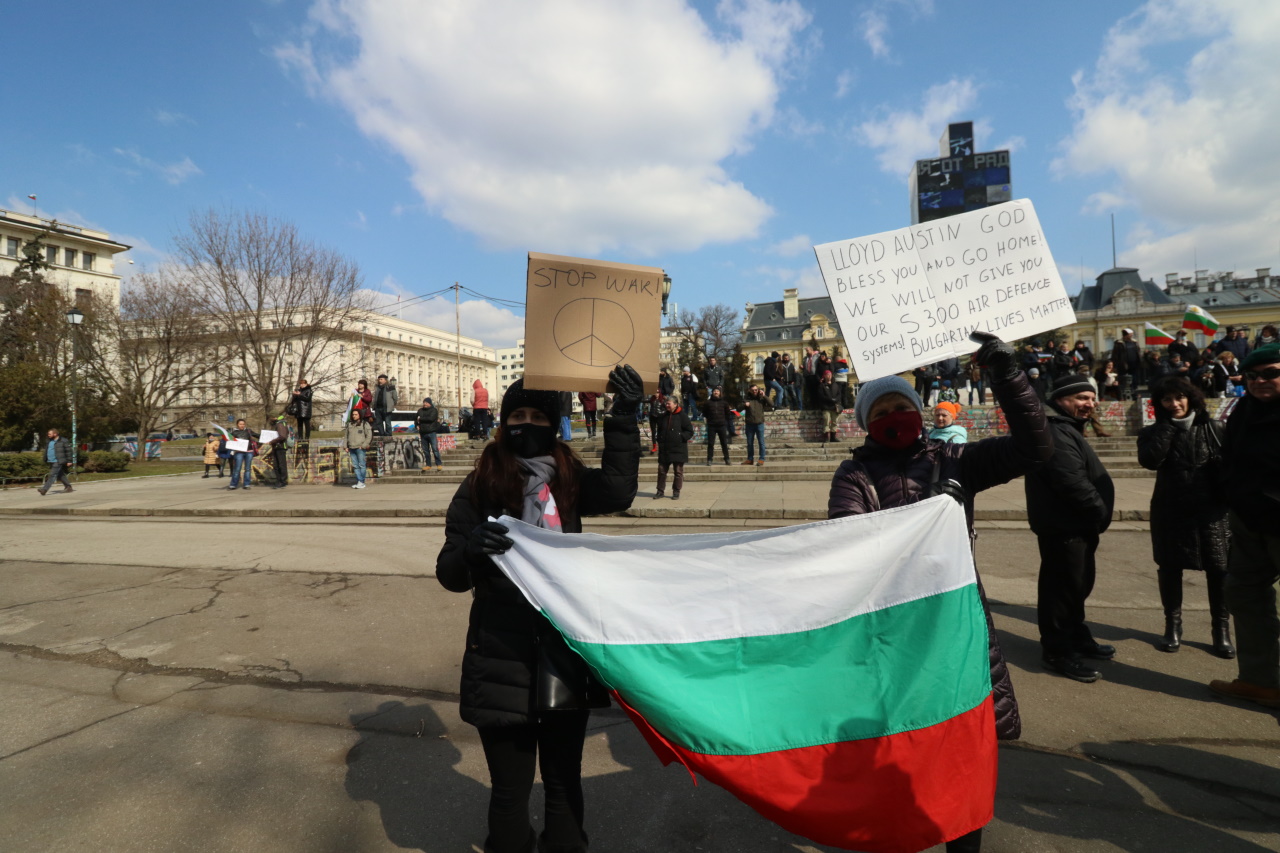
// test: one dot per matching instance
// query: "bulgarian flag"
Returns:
(833, 676)
(1199, 319)
(1156, 336)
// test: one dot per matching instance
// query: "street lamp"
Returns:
(75, 317)
(666, 292)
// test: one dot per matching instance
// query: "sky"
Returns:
(439, 141)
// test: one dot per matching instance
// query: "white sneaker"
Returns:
(358, 486)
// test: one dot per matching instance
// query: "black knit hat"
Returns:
(516, 397)
(1073, 385)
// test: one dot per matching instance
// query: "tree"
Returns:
(149, 356)
(277, 306)
(711, 330)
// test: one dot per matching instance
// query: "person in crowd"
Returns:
(211, 458)
(364, 398)
(1127, 359)
(385, 400)
(242, 460)
(168, 434)
(1037, 381)
(1069, 506)
(1175, 366)
(566, 416)
(428, 423)
(224, 456)
(828, 404)
(590, 402)
(657, 405)
(810, 376)
(1063, 363)
(769, 373)
(1108, 381)
(977, 381)
(57, 452)
(945, 427)
(689, 393)
(925, 375)
(1183, 348)
(844, 388)
(1189, 529)
(1081, 354)
(1031, 355)
(823, 364)
(896, 466)
(1266, 336)
(713, 376)
(359, 436)
(1082, 372)
(1154, 368)
(948, 371)
(1251, 464)
(666, 385)
(301, 404)
(792, 382)
(754, 406)
(1235, 342)
(480, 415)
(716, 415)
(280, 451)
(675, 431)
(1228, 376)
(947, 393)
(525, 473)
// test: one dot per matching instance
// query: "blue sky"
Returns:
(435, 142)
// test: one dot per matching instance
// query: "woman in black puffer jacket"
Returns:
(1189, 527)
(897, 466)
(528, 474)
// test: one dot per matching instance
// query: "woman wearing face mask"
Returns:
(897, 465)
(527, 473)
(1189, 527)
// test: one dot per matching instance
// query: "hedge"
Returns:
(17, 465)
(104, 461)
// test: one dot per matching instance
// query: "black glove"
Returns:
(996, 356)
(628, 391)
(487, 539)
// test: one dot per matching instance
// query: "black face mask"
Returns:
(528, 440)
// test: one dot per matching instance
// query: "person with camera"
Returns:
(512, 650)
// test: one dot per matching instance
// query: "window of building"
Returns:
(83, 297)
(86, 260)
(784, 334)
(11, 247)
(69, 257)
(51, 254)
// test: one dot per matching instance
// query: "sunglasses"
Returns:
(1264, 375)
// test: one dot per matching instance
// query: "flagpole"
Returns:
(457, 330)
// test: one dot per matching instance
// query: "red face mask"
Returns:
(897, 430)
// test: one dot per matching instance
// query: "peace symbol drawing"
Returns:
(594, 332)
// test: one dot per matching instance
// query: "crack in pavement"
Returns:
(160, 579)
(344, 583)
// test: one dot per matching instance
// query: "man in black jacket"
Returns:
(673, 435)
(1251, 449)
(713, 376)
(717, 419)
(58, 454)
(428, 422)
(385, 400)
(1069, 505)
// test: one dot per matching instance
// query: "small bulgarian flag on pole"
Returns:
(1156, 336)
(1199, 319)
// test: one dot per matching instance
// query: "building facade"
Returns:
(81, 260)
(510, 368)
(789, 326)
(960, 179)
(1121, 299)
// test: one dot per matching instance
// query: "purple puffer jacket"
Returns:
(878, 477)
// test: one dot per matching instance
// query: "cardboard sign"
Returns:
(912, 296)
(583, 317)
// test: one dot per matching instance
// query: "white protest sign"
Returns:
(912, 296)
(238, 444)
(267, 436)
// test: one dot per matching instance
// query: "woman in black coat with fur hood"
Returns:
(1189, 529)
(527, 473)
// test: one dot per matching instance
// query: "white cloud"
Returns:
(1104, 202)
(792, 122)
(905, 136)
(807, 279)
(1188, 146)
(566, 126)
(792, 246)
(874, 28)
(844, 83)
(172, 173)
(169, 118)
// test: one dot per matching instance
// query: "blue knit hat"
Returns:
(877, 388)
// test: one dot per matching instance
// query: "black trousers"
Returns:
(715, 431)
(304, 428)
(280, 462)
(589, 415)
(1067, 573)
(555, 742)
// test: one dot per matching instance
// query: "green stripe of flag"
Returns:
(899, 669)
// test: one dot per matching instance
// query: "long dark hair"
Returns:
(498, 478)
(1177, 385)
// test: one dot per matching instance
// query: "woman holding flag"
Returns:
(897, 465)
(528, 695)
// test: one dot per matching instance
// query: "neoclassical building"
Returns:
(788, 326)
(81, 260)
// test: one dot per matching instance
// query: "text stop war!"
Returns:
(556, 278)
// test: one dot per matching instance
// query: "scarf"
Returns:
(539, 504)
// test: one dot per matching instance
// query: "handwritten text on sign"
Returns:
(912, 296)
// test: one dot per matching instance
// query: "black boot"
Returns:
(971, 843)
(1170, 581)
(1221, 619)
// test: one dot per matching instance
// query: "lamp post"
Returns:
(666, 292)
(75, 317)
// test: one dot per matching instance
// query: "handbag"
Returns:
(564, 680)
(292, 409)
